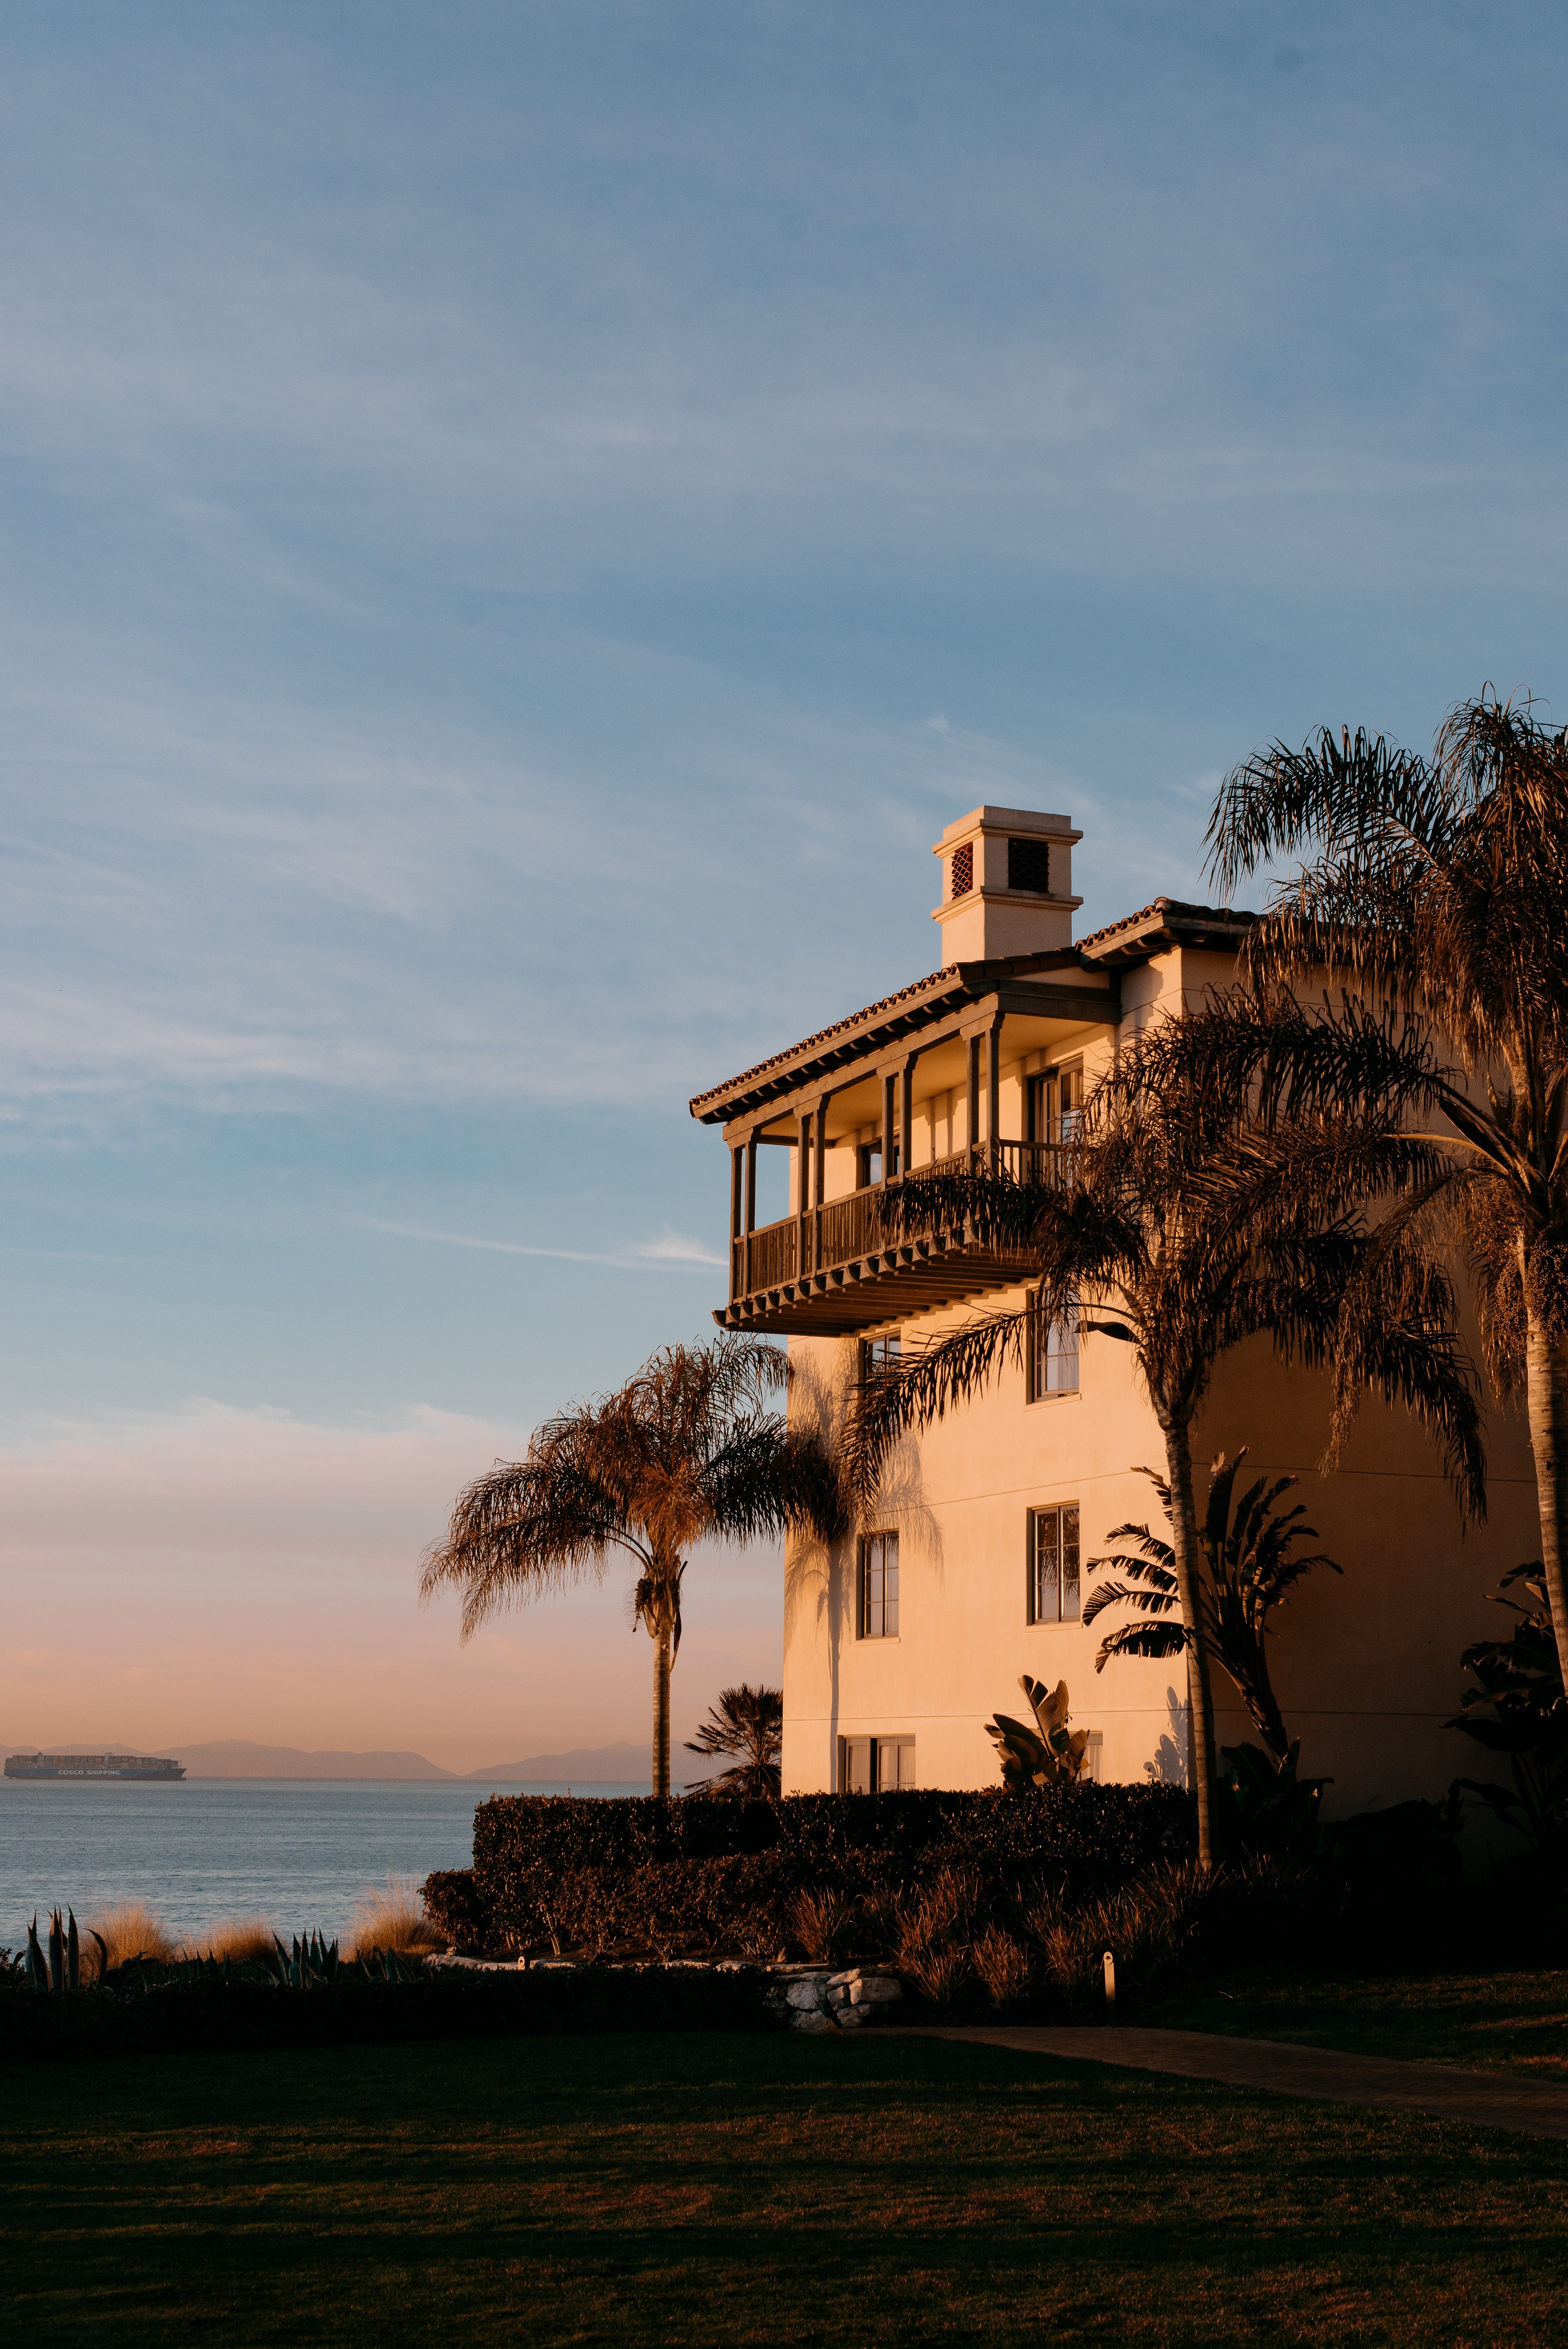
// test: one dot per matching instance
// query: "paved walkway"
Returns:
(1492, 2099)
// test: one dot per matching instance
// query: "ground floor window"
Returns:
(875, 1765)
(1053, 1586)
(878, 1610)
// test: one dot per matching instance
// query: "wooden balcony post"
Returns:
(736, 1206)
(972, 1135)
(751, 1149)
(820, 1178)
(889, 1125)
(994, 1089)
(802, 1194)
(906, 1113)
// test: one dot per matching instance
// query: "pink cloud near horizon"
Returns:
(229, 1573)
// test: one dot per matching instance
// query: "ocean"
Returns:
(302, 1852)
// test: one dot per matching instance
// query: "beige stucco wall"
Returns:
(1365, 1665)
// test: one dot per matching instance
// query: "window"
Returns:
(875, 1765)
(1030, 867)
(961, 871)
(878, 1354)
(879, 1587)
(1056, 1103)
(1053, 1565)
(1053, 1352)
(871, 1159)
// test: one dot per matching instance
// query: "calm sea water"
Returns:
(300, 1851)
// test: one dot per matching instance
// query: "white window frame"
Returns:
(880, 1540)
(1036, 1604)
(880, 1765)
(1051, 1364)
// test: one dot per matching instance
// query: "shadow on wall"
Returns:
(1169, 1768)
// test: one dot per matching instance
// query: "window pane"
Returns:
(879, 1587)
(1047, 1597)
(857, 1765)
(1069, 1550)
(1061, 1351)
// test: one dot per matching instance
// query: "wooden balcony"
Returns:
(843, 1267)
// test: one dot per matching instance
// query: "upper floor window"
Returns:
(878, 1354)
(1052, 1360)
(1056, 1103)
(1054, 1588)
(1030, 867)
(870, 1161)
(961, 871)
(879, 1587)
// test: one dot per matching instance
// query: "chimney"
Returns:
(1006, 884)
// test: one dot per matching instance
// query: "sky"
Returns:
(518, 527)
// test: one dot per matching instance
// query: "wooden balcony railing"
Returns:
(846, 1231)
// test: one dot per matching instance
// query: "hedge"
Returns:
(609, 1876)
(444, 2003)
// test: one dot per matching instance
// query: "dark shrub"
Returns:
(454, 1908)
(443, 2003)
(613, 1878)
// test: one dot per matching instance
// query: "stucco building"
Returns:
(900, 1641)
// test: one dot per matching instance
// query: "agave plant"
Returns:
(1251, 1570)
(1520, 1708)
(62, 1969)
(1048, 1754)
(304, 1965)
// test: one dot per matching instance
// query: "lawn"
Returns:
(714, 2189)
(1494, 2022)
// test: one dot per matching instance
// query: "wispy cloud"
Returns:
(668, 1254)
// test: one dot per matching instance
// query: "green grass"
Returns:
(1492, 2022)
(709, 2190)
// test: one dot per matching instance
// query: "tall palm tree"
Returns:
(1436, 892)
(686, 1451)
(747, 1724)
(1173, 1224)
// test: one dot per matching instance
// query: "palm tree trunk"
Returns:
(1547, 1393)
(662, 1660)
(1199, 1699)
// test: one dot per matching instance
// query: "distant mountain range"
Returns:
(237, 1757)
(585, 1765)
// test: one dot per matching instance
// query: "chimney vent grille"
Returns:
(1030, 867)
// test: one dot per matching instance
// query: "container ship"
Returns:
(90, 1765)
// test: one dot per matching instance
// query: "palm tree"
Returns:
(747, 1722)
(1437, 892)
(1182, 1230)
(686, 1451)
(1250, 1570)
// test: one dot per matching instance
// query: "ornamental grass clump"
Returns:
(823, 1922)
(242, 1940)
(392, 1918)
(131, 1930)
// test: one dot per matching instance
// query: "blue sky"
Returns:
(517, 528)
